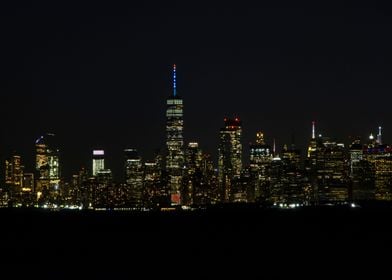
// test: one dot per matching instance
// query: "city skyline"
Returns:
(184, 175)
(97, 74)
(236, 138)
(116, 164)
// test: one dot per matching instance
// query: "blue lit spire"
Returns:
(174, 81)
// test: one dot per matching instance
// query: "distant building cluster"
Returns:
(185, 176)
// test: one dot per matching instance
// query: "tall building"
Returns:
(98, 161)
(207, 192)
(14, 172)
(276, 181)
(84, 191)
(174, 143)
(312, 147)
(101, 185)
(155, 191)
(260, 164)
(361, 175)
(296, 185)
(310, 165)
(14, 178)
(47, 165)
(28, 186)
(332, 172)
(383, 177)
(193, 172)
(379, 136)
(378, 158)
(134, 177)
(230, 156)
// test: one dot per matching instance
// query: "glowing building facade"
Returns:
(47, 164)
(260, 164)
(134, 177)
(193, 173)
(174, 143)
(14, 178)
(229, 156)
(332, 172)
(14, 172)
(312, 147)
(98, 161)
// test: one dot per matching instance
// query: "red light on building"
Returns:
(175, 198)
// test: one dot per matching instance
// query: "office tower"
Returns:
(84, 191)
(14, 179)
(28, 189)
(98, 161)
(310, 165)
(155, 193)
(151, 182)
(230, 156)
(134, 178)
(207, 192)
(383, 176)
(193, 174)
(47, 166)
(296, 185)
(260, 163)
(14, 172)
(379, 136)
(240, 188)
(379, 160)
(70, 193)
(361, 175)
(312, 147)
(356, 155)
(101, 185)
(332, 172)
(276, 181)
(174, 143)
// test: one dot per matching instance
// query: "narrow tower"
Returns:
(229, 156)
(379, 140)
(174, 142)
(313, 130)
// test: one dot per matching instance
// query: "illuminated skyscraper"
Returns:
(134, 177)
(101, 185)
(14, 172)
(230, 156)
(310, 165)
(383, 176)
(332, 172)
(14, 178)
(98, 161)
(312, 146)
(174, 143)
(193, 174)
(361, 177)
(379, 160)
(260, 163)
(296, 186)
(379, 136)
(47, 164)
(155, 192)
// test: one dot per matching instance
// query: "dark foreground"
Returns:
(230, 241)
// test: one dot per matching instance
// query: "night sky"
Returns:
(98, 75)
